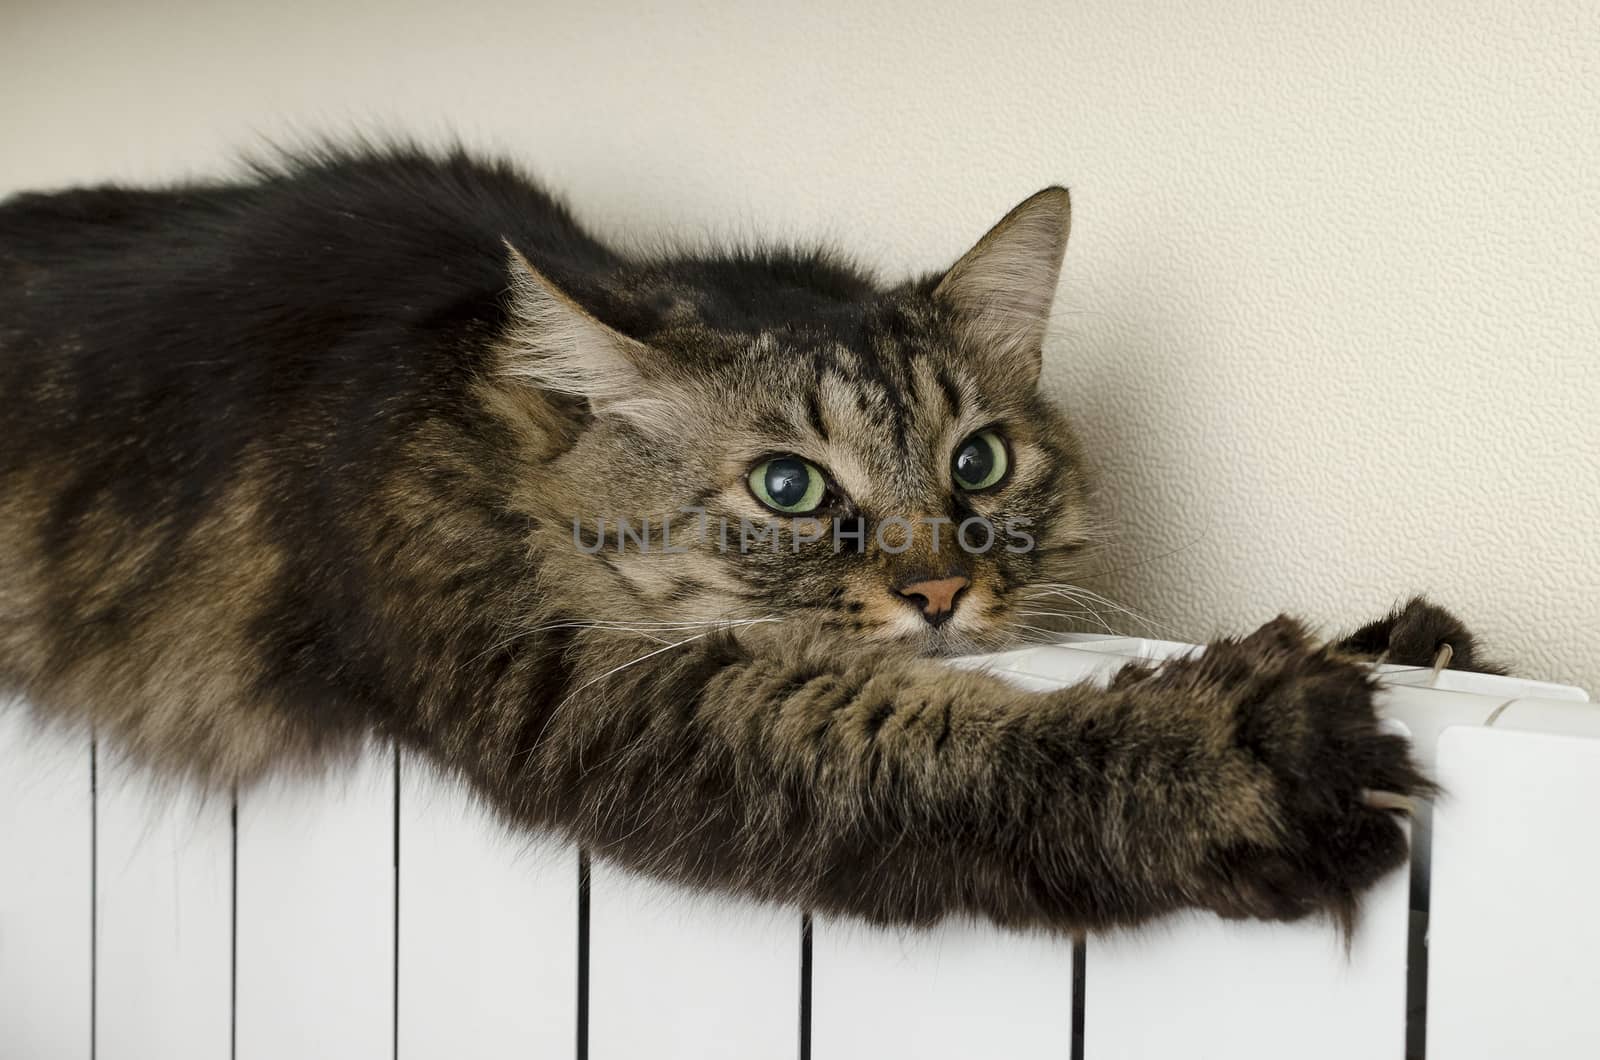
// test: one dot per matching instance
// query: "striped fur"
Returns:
(294, 461)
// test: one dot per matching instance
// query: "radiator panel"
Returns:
(488, 931)
(961, 991)
(1514, 938)
(680, 976)
(316, 916)
(46, 882)
(164, 924)
(119, 912)
(1198, 987)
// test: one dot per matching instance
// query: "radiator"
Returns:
(383, 915)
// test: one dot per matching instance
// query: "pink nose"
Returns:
(936, 598)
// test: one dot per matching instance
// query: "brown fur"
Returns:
(296, 463)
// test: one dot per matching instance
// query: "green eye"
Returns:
(980, 462)
(788, 484)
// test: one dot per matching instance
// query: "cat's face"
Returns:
(882, 465)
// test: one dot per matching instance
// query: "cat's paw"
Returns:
(1315, 820)
(1414, 634)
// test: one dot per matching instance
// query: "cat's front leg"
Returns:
(1307, 821)
(1251, 781)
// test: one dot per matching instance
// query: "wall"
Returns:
(1329, 321)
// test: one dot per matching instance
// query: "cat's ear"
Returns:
(1002, 288)
(556, 344)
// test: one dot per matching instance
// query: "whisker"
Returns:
(646, 630)
(537, 740)
(1143, 561)
(1093, 600)
(1091, 613)
(1055, 614)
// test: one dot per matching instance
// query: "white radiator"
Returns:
(382, 916)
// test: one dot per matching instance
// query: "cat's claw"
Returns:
(1419, 633)
(1328, 785)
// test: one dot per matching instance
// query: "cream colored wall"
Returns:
(1331, 315)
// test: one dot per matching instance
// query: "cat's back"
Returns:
(292, 277)
(323, 224)
(315, 311)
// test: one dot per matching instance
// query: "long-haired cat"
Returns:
(380, 443)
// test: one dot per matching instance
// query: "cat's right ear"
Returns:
(1003, 287)
(555, 344)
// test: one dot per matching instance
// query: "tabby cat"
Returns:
(378, 443)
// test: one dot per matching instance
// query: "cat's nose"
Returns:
(936, 598)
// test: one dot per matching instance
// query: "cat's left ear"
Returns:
(556, 344)
(1002, 288)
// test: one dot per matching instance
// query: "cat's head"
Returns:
(774, 438)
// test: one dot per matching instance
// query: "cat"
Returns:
(374, 442)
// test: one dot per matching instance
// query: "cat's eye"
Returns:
(789, 485)
(980, 462)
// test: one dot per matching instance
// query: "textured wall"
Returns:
(1331, 315)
